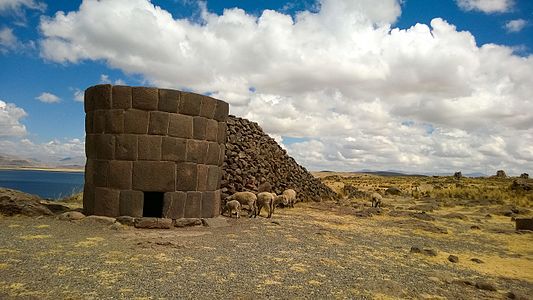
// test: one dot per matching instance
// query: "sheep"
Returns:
(233, 206)
(290, 196)
(247, 198)
(376, 199)
(265, 199)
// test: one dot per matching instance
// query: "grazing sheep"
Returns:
(290, 196)
(376, 199)
(265, 199)
(232, 207)
(281, 199)
(247, 198)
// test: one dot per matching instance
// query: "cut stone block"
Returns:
(196, 151)
(202, 178)
(222, 155)
(121, 97)
(145, 98)
(89, 122)
(101, 96)
(199, 128)
(90, 145)
(213, 153)
(114, 121)
(89, 173)
(154, 176)
(186, 176)
(153, 223)
(119, 175)
(190, 104)
(211, 130)
(136, 121)
(221, 111)
(213, 178)
(99, 118)
(88, 103)
(174, 205)
(106, 202)
(221, 135)
(126, 147)
(173, 149)
(131, 203)
(158, 123)
(180, 126)
(193, 205)
(208, 107)
(88, 200)
(169, 100)
(210, 204)
(100, 168)
(105, 146)
(149, 147)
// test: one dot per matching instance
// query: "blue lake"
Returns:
(46, 184)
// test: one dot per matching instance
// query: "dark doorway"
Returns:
(153, 204)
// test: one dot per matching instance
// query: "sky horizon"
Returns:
(419, 86)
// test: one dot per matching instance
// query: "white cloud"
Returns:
(17, 9)
(364, 94)
(515, 25)
(78, 95)
(10, 120)
(8, 41)
(486, 6)
(48, 98)
(52, 153)
(104, 78)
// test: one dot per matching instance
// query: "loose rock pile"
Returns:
(254, 160)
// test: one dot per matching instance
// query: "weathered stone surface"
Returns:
(14, 202)
(100, 168)
(216, 222)
(453, 258)
(126, 147)
(99, 219)
(71, 216)
(149, 147)
(222, 155)
(99, 121)
(221, 134)
(101, 96)
(210, 204)
(208, 107)
(180, 126)
(114, 121)
(88, 103)
(213, 178)
(196, 151)
(185, 222)
(89, 174)
(199, 128)
(524, 224)
(173, 149)
(121, 97)
(105, 146)
(106, 202)
(145, 98)
(186, 176)
(153, 223)
(90, 146)
(89, 122)
(174, 205)
(158, 123)
(221, 111)
(193, 205)
(88, 200)
(169, 100)
(202, 178)
(213, 152)
(126, 220)
(154, 176)
(136, 121)
(190, 104)
(131, 203)
(119, 174)
(211, 131)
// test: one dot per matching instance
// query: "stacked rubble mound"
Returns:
(255, 162)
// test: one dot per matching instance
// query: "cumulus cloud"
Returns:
(515, 25)
(104, 78)
(8, 41)
(10, 120)
(17, 9)
(78, 95)
(363, 93)
(486, 6)
(51, 153)
(48, 98)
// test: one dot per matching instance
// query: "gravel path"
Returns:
(308, 252)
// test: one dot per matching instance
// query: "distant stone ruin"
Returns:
(501, 174)
(153, 152)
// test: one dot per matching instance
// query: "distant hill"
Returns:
(11, 161)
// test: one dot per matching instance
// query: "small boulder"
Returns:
(487, 286)
(215, 222)
(415, 249)
(429, 252)
(71, 216)
(153, 223)
(476, 260)
(14, 202)
(126, 220)
(475, 227)
(185, 222)
(453, 258)
(524, 223)
(393, 191)
(99, 219)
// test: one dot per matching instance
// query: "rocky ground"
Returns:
(315, 250)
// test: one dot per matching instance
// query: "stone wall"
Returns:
(255, 162)
(153, 152)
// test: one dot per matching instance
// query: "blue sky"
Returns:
(28, 70)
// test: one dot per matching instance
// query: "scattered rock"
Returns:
(463, 281)
(521, 186)
(393, 191)
(475, 227)
(116, 226)
(429, 252)
(185, 222)
(55, 207)
(14, 202)
(99, 219)
(415, 249)
(488, 216)
(455, 216)
(126, 220)
(524, 176)
(487, 286)
(500, 174)
(453, 258)
(516, 296)
(71, 215)
(477, 260)
(524, 224)
(458, 175)
(153, 223)
(275, 222)
(215, 222)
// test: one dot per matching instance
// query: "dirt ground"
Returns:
(313, 251)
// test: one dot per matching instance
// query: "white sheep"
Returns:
(266, 199)
(232, 207)
(247, 198)
(376, 199)
(290, 197)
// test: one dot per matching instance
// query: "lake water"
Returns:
(46, 184)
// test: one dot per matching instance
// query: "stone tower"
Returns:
(153, 152)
